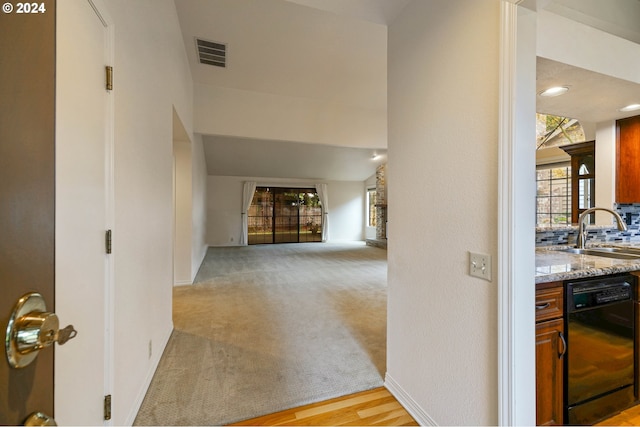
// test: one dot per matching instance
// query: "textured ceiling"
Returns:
(618, 17)
(284, 48)
(335, 51)
(331, 51)
(378, 11)
(592, 97)
(229, 156)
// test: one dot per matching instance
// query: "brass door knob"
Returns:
(31, 328)
(39, 419)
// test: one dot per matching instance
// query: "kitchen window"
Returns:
(553, 195)
(561, 196)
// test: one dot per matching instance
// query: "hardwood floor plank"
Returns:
(386, 417)
(379, 409)
(278, 419)
(376, 407)
(319, 409)
(348, 414)
(404, 420)
(368, 408)
(629, 417)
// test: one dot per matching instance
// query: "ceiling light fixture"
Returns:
(554, 91)
(630, 107)
(375, 157)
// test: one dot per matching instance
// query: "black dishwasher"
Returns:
(600, 333)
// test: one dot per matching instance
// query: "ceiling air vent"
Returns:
(212, 53)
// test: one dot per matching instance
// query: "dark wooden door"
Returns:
(27, 193)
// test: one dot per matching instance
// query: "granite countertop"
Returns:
(570, 227)
(554, 265)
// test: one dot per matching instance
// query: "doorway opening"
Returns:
(284, 215)
(182, 203)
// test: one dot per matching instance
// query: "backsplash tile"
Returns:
(567, 234)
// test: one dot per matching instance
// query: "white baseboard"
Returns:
(183, 283)
(147, 381)
(409, 404)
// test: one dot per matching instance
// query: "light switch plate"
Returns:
(480, 265)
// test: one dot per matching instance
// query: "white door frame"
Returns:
(109, 289)
(516, 198)
(63, 405)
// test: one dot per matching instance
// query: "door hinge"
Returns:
(107, 407)
(107, 241)
(109, 70)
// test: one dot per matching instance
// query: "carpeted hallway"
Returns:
(271, 327)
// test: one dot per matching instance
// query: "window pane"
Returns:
(543, 174)
(585, 187)
(279, 215)
(560, 218)
(553, 201)
(544, 188)
(560, 205)
(543, 219)
(560, 188)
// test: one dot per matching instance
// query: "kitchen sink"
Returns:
(626, 250)
(619, 253)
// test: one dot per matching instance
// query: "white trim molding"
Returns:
(153, 365)
(407, 402)
(516, 207)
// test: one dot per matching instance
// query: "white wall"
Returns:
(151, 78)
(570, 42)
(227, 111)
(605, 170)
(199, 205)
(443, 172)
(190, 180)
(183, 217)
(224, 205)
(346, 213)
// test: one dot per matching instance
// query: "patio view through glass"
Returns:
(285, 215)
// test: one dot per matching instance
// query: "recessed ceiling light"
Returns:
(554, 91)
(631, 107)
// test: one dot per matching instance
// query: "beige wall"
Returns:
(227, 111)
(199, 205)
(182, 229)
(443, 174)
(224, 204)
(151, 79)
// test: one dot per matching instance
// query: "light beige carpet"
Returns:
(271, 327)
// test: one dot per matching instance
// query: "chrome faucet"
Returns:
(582, 226)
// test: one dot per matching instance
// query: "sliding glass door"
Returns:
(285, 215)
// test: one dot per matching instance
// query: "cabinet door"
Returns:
(628, 160)
(550, 349)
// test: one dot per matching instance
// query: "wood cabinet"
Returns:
(628, 160)
(550, 349)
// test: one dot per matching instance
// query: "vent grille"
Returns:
(212, 53)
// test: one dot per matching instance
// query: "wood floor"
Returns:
(368, 408)
(630, 417)
(376, 407)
